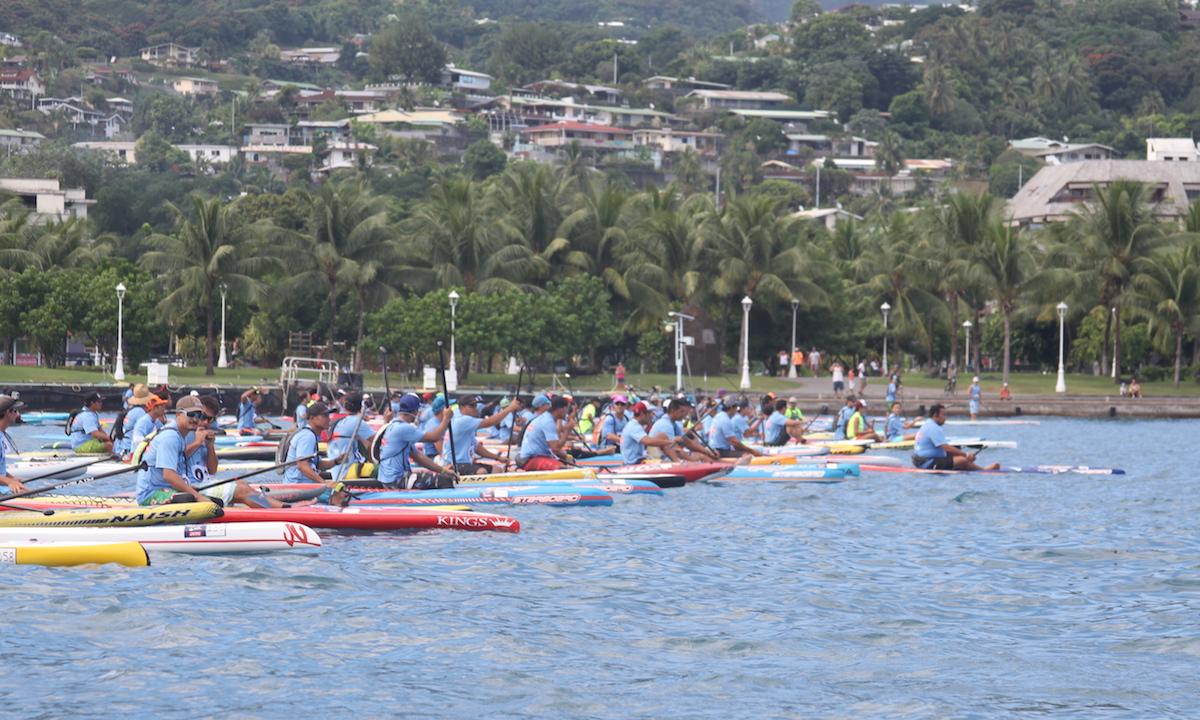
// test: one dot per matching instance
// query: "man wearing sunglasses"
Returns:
(463, 429)
(10, 412)
(614, 422)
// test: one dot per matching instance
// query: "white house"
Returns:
(21, 84)
(49, 200)
(1171, 150)
(342, 155)
(19, 139)
(460, 79)
(124, 151)
(740, 99)
(210, 153)
(171, 55)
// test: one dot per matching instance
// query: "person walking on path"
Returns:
(619, 382)
(783, 362)
(798, 360)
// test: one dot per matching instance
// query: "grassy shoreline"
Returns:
(1021, 384)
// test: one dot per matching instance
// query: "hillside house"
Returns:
(19, 140)
(1058, 191)
(21, 84)
(194, 86)
(343, 155)
(171, 55)
(466, 80)
(596, 137)
(739, 99)
(1171, 150)
(47, 198)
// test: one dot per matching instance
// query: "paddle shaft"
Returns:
(387, 386)
(260, 471)
(508, 446)
(446, 394)
(76, 481)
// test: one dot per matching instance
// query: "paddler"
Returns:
(433, 449)
(503, 430)
(932, 452)
(779, 427)
(588, 414)
(614, 422)
(896, 425)
(398, 448)
(87, 438)
(340, 448)
(301, 413)
(635, 439)
(670, 427)
(843, 416)
(723, 437)
(542, 448)
(10, 413)
(153, 419)
(857, 427)
(464, 443)
(135, 410)
(166, 472)
(304, 444)
(792, 409)
(248, 412)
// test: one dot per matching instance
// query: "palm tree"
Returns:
(1103, 242)
(532, 201)
(1002, 265)
(756, 255)
(599, 228)
(208, 249)
(889, 154)
(958, 228)
(664, 258)
(939, 89)
(348, 244)
(452, 234)
(52, 246)
(1167, 292)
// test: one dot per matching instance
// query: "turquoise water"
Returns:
(893, 595)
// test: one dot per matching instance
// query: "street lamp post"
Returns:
(746, 303)
(1062, 380)
(453, 362)
(967, 349)
(886, 309)
(223, 361)
(119, 371)
(681, 343)
(792, 357)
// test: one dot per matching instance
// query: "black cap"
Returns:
(92, 397)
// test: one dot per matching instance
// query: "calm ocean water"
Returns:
(889, 596)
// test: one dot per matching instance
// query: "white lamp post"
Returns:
(792, 357)
(119, 372)
(680, 344)
(1115, 334)
(967, 353)
(1062, 381)
(886, 309)
(453, 361)
(223, 362)
(746, 303)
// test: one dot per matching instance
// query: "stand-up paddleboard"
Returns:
(110, 517)
(556, 495)
(690, 471)
(209, 538)
(37, 417)
(62, 554)
(1005, 470)
(859, 460)
(959, 442)
(770, 474)
(326, 517)
(25, 469)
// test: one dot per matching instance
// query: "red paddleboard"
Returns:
(690, 471)
(375, 518)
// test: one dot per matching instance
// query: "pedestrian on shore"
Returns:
(976, 397)
(839, 382)
(783, 362)
(619, 384)
(814, 362)
(798, 360)
(1135, 388)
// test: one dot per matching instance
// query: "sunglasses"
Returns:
(621, 404)
(196, 414)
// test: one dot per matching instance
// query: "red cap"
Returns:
(640, 408)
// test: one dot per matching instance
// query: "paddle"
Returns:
(446, 394)
(260, 471)
(387, 386)
(76, 481)
(508, 446)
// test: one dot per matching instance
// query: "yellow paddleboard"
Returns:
(898, 445)
(774, 460)
(114, 517)
(521, 477)
(57, 554)
(847, 449)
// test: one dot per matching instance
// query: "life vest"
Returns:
(856, 425)
(136, 457)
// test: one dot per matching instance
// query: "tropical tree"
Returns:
(532, 201)
(348, 244)
(1167, 292)
(69, 243)
(665, 257)
(1102, 243)
(599, 228)
(958, 229)
(1002, 265)
(209, 249)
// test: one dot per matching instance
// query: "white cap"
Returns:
(975, 379)
(195, 393)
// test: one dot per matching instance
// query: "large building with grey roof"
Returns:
(1058, 191)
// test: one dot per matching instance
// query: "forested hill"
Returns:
(121, 26)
